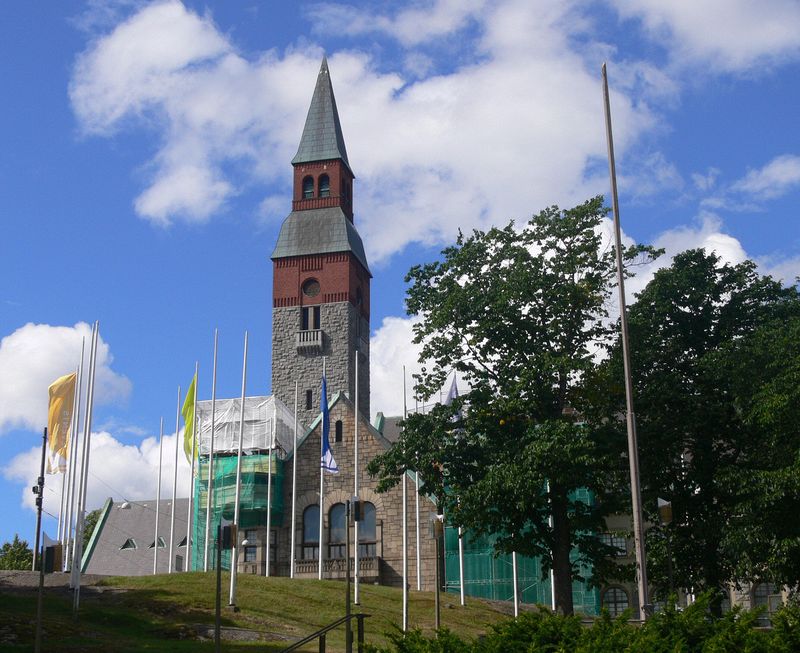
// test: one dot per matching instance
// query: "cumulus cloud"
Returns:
(479, 135)
(774, 180)
(727, 35)
(34, 356)
(116, 470)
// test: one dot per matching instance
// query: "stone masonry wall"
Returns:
(342, 335)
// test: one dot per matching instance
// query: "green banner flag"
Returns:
(188, 419)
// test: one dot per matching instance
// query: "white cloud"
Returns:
(34, 356)
(727, 35)
(775, 179)
(474, 146)
(116, 470)
(390, 349)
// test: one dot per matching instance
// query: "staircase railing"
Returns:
(320, 634)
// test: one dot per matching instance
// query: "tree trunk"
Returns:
(562, 570)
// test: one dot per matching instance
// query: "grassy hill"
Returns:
(175, 613)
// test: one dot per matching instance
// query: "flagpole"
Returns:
(38, 490)
(405, 520)
(235, 543)
(191, 474)
(59, 535)
(321, 486)
(269, 494)
(73, 456)
(75, 452)
(633, 449)
(514, 578)
(294, 486)
(356, 573)
(158, 493)
(461, 565)
(87, 436)
(416, 512)
(174, 485)
(210, 485)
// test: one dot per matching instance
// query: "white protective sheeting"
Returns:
(264, 418)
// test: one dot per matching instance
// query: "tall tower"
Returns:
(320, 292)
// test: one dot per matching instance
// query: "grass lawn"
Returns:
(163, 613)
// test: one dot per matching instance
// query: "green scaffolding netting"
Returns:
(252, 500)
(490, 576)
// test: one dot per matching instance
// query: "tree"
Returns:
(89, 525)
(518, 314)
(16, 554)
(717, 438)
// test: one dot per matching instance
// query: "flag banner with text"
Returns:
(59, 422)
(188, 419)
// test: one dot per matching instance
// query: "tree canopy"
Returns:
(716, 362)
(518, 315)
(16, 554)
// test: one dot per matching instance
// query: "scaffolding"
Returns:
(488, 575)
(266, 420)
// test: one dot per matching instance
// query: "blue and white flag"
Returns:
(327, 461)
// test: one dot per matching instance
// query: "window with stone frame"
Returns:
(310, 550)
(250, 553)
(367, 532)
(617, 541)
(338, 431)
(310, 318)
(337, 531)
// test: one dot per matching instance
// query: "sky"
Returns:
(145, 153)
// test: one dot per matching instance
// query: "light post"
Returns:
(665, 515)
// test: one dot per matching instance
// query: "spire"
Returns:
(322, 136)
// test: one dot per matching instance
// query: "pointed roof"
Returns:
(322, 136)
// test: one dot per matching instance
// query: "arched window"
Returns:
(615, 600)
(308, 187)
(367, 534)
(311, 533)
(324, 186)
(337, 525)
(338, 436)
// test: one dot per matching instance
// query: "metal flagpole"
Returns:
(416, 513)
(552, 575)
(38, 490)
(356, 573)
(174, 485)
(633, 449)
(87, 436)
(210, 486)
(461, 565)
(514, 575)
(321, 488)
(405, 522)
(269, 493)
(191, 473)
(71, 459)
(75, 472)
(59, 528)
(235, 543)
(294, 486)
(158, 493)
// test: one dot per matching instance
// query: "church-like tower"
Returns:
(320, 292)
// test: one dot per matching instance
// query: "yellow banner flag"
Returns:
(188, 419)
(59, 422)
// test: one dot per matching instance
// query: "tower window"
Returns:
(338, 437)
(308, 188)
(324, 186)
(311, 288)
(309, 403)
(309, 318)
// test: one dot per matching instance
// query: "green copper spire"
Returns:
(322, 136)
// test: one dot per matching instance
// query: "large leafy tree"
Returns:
(16, 554)
(518, 314)
(715, 367)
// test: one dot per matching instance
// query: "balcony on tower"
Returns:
(310, 340)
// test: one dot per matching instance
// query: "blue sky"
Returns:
(144, 173)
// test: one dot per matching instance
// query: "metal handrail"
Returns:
(320, 634)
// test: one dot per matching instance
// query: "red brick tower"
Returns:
(320, 294)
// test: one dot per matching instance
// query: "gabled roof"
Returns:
(340, 396)
(319, 231)
(322, 135)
